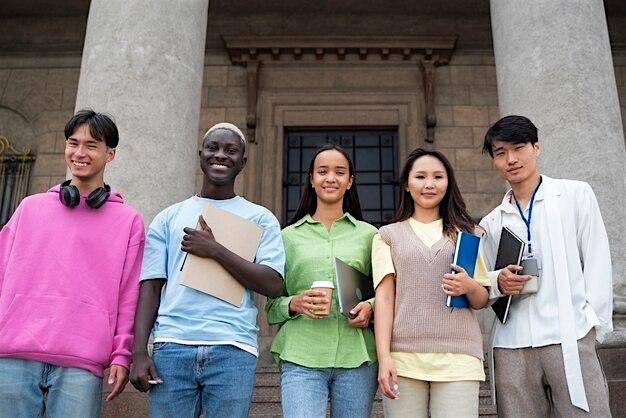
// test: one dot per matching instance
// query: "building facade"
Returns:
(380, 78)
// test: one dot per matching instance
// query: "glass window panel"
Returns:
(367, 159)
(350, 152)
(293, 140)
(370, 197)
(388, 216)
(387, 159)
(294, 197)
(307, 154)
(389, 198)
(373, 152)
(369, 139)
(346, 141)
(368, 178)
(372, 216)
(314, 140)
(294, 159)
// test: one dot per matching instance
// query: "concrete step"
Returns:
(273, 410)
(266, 397)
(614, 365)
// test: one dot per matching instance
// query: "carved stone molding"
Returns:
(252, 86)
(278, 110)
(242, 49)
(429, 52)
(428, 76)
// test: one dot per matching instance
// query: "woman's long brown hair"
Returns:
(452, 207)
(308, 198)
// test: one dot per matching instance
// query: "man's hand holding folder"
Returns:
(220, 256)
(200, 242)
(511, 283)
(510, 250)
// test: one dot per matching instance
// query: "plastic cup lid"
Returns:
(322, 283)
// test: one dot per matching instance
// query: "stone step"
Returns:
(273, 410)
(269, 377)
(272, 394)
(265, 399)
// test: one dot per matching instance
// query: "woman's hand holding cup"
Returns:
(314, 303)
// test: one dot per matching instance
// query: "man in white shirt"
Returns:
(545, 356)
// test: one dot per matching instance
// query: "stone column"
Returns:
(554, 65)
(142, 63)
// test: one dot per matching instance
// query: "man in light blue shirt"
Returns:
(205, 349)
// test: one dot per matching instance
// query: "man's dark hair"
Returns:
(101, 126)
(514, 129)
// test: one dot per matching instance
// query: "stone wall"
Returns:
(223, 98)
(466, 103)
(35, 104)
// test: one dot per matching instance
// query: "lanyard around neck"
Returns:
(530, 212)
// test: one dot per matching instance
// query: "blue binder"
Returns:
(465, 256)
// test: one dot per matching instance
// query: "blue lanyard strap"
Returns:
(530, 212)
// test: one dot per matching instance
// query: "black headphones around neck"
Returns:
(70, 196)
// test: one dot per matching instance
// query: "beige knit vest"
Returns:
(422, 323)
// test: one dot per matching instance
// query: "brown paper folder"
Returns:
(207, 275)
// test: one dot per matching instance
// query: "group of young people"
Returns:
(80, 292)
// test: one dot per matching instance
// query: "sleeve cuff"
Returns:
(123, 361)
(494, 291)
(284, 309)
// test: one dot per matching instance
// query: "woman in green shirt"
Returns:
(324, 357)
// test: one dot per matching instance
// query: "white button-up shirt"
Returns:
(575, 284)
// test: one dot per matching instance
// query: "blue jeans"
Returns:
(215, 380)
(305, 391)
(71, 392)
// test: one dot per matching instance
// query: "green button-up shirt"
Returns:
(310, 250)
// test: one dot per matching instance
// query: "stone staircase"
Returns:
(266, 398)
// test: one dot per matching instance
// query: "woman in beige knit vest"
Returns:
(430, 357)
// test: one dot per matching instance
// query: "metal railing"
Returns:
(15, 171)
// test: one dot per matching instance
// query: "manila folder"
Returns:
(207, 275)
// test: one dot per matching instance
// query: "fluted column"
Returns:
(142, 63)
(554, 65)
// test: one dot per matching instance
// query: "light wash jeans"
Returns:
(24, 385)
(215, 380)
(305, 391)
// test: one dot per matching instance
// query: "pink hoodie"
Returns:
(69, 282)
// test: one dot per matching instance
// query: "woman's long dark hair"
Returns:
(308, 198)
(452, 208)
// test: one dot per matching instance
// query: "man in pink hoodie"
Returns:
(69, 267)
